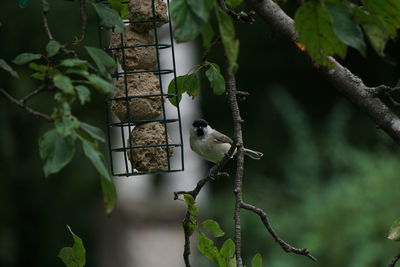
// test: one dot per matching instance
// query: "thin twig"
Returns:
(82, 8)
(375, 91)
(38, 90)
(248, 18)
(207, 52)
(285, 246)
(394, 260)
(23, 106)
(45, 10)
(241, 95)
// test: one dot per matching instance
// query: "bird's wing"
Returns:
(221, 138)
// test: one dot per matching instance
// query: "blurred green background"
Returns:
(329, 179)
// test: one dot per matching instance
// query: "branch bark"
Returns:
(394, 260)
(344, 81)
(239, 203)
(284, 245)
(238, 139)
(23, 106)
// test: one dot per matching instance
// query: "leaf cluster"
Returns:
(190, 82)
(328, 28)
(223, 256)
(69, 78)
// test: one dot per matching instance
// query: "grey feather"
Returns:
(221, 138)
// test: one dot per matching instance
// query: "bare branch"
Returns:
(38, 90)
(23, 106)
(394, 260)
(285, 246)
(45, 10)
(207, 52)
(82, 9)
(382, 89)
(343, 80)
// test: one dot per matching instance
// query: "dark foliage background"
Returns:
(328, 179)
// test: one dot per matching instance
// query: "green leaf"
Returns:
(77, 71)
(394, 231)
(207, 248)
(233, 3)
(100, 84)
(105, 63)
(193, 210)
(38, 76)
(64, 83)
(256, 261)
(56, 151)
(190, 202)
(227, 31)
(38, 67)
(52, 48)
(83, 93)
(121, 8)
(109, 193)
(207, 34)
(213, 228)
(25, 58)
(74, 62)
(74, 256)
(373, 28)
(23, 3)
(217, 81)
(345, 28)
(6, 67)
(186, 83)
(66, 125)
(201, 8)
(387, 11)
(314, 26)
(227, 252)
(188, 24)
(109, 17)
(92, 131)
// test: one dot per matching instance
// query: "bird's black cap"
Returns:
(200, 123)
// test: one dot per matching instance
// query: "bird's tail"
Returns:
(253, 154)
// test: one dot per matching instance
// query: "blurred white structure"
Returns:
(145, 229)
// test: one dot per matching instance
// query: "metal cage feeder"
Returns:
(144, 129)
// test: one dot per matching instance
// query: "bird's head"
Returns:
(200, 128)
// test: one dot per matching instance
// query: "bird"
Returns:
(212, 145)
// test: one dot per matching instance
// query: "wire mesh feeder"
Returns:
(144, 130)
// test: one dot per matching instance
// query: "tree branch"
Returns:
(23, 106)
(394, 260)
(285, 246)
(237, 137)
(343, 80)
(213, 172)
